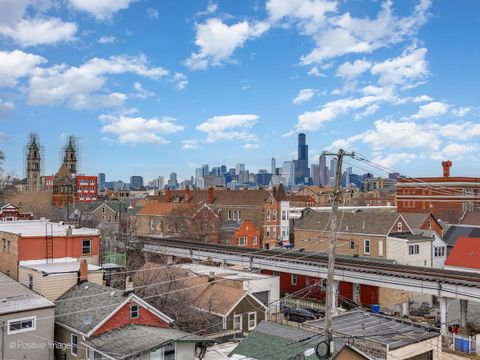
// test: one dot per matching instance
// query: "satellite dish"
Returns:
(87, 319)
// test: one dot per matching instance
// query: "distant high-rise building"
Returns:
(33, 164)
(324, 176)
(274, 166)
(315, 172)
(205, 170)
(239, 167)
(173, 180)
(136, 182)
(302, 172)
(223, 169)
(288, 172)
(101, 181)
(215, 171)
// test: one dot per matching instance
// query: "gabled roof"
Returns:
(115, 206)
(456, 231)
(465, 253)
(471, 218)
(358, 222)
(131, 340)
(86, 306)
(280, 342)
(415, 220)
(156, 208)
(220, 197)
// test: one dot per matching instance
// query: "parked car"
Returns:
(299, 315)
(317, 312)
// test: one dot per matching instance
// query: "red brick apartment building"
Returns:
(87, 187)
(447, 197)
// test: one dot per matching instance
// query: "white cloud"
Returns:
(391, 159)
(180, 80)
(211, 9)
(6, 108)
(33, 28)
(422, 98)
(433, 109)
(251, 146)
(107, 40)
(410, 66)
(152, 13)
(461, 111)
(132, 130)
(190, 144)
(225, 127)
(351, 70)
(141, 92)
(102, 10)
(218, 41)
(15, 65)
(345, 34)
(304, 95)
(369, 111)
(455, 151)
(79, 86)
(314, 71)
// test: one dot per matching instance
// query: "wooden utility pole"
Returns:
(331, 306)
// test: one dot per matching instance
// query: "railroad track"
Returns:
(341, 262)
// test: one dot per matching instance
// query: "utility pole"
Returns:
(330, 306)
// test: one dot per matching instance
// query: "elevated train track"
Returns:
(382, 273)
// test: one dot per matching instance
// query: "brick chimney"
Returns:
(210, 195)
(187, 194)
(168, 195)
(83, 271)
(446, 168)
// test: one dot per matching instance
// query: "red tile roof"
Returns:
(465, 253)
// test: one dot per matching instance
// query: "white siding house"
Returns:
(410, 250)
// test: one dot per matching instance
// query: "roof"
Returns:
(280, 342)
(392, 332)
(220, 197)
(456, 231)
(116, 206)
(465, 253)
(15, 297)
(56, 266)
(415, 237)
(156, 208)
(40, 227)
(119, 341)
(415, 220)
(360, 222)
(88, 305)
(471, 218)
(223, 272)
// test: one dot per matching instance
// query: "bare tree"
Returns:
(195, 223)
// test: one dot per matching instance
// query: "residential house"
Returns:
(10, 212)
(246, 235)
(101, 322)
(454, 232)
(45, 240)
(360, 232)
(108, 212)
(281, 342)
(465, 255)
(321, 196)
(26, 321)
(54, 278)
(384, 337)
(265, 288)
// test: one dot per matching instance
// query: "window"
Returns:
(293, 279)
(235, 215)
(152, 225)
(352, 244)
(413, 249)
(86, 247)
(284, 215)
(366, 247)
(252, 320)
(103, 209)
(380, 248)
(274, 216)
(164, 353)
(229, 214)
(4, 244)
(30, 281)
(237, 322)
(439, 251)
(430, 224)
(274, 232)
(276, 273)
(400, 226)
(268, 232)
(134, 311)
(268, 215)
(254, 240)
(242, 241)
(307, 281)
(74, 344)
(21, 325)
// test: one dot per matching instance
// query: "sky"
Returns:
(149, 87)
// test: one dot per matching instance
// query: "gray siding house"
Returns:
(26, 321)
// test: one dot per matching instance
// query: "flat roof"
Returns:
(43, 227)
(227, 273)
(15, 297)
(392, 332)
(56, 266)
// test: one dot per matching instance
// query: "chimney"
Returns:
(69, 231)
(83, 272)
(128, 285)
(210, 195)
(168, 195)
(446, 168)
(211, 276)
(274, 191)
(187, 194)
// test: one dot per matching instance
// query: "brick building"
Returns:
(45, 240)
(447, 197)
(10, 212)
(246, 235)
(86, 188)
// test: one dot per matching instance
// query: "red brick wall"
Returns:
(34, 248)
(248, 230)
(122, 318)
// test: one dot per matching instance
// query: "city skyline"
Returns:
(402, 91)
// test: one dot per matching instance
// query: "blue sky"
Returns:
(151, 87)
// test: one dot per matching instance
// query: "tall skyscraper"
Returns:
(205, 170)
(302, 172)
(288, 172)
(136, 182)
(274, 166)
(173, 180)
(323, 170)
(101, 182)
(239, 167)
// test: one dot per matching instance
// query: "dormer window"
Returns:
(400, 226)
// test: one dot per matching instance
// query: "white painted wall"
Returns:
(270, 284)
(284, 224)
(397, 249)
(438, 261)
